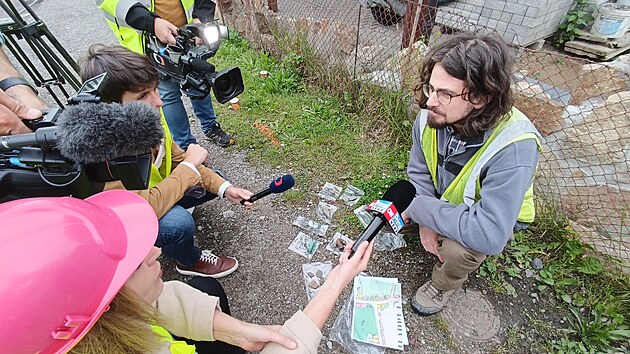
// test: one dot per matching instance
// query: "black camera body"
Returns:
(32, 166)
(187, 63)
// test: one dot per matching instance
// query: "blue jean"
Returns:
(176, 232)
(177, 117)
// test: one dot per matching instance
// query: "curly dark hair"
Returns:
(484, 63)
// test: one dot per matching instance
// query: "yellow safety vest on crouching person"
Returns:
(115, 12)
(175, 346)
(158, 174)
(466, 186)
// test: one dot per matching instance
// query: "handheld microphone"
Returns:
(280, 185)
(95, 132)
(400, 194)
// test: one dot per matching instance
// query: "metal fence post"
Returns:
(418, 23)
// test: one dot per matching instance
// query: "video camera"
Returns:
(187, 63)
(31, 165)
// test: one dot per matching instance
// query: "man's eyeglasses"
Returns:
(443, 97)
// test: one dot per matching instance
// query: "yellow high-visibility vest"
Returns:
(115, 12)
(466, 186)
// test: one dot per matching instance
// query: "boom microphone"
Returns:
(280, 185)
(95, 132)
(400, 194)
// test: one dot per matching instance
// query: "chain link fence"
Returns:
(580, 107)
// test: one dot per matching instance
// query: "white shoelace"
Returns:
(209, 257)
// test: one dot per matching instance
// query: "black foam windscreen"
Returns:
(400, 194)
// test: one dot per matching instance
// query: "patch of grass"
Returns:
(597, 302)
(293, 196)
(441, 324)
(319, 134)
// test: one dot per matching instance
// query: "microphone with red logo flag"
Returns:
(280, 185)
(387, 211)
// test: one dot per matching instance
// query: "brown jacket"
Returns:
(165, 194)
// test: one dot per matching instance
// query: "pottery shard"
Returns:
(313, 284)
(341, 244)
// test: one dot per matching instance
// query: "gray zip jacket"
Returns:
(487, 225)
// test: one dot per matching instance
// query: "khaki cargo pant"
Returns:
(459, 261)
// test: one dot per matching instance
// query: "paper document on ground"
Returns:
(377, 316)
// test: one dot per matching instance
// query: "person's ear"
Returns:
(479, 102)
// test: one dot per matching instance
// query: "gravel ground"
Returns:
(268, 286)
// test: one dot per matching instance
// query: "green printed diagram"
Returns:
(377, 316)
(365, 327)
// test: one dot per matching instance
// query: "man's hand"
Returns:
(11, 113)
(429, 239)
(405, 218)
(195, 154)
(249, 336)
(235, 195)
(198, 41)
(164, 31)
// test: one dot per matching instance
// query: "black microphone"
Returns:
(201, 65)
(400, 194)
(280, 185)
(96, 132)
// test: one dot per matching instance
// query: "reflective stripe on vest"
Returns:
(115, 12)
(159, 174)
(175, 346)
(466, 187)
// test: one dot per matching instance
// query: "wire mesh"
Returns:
(580, 107)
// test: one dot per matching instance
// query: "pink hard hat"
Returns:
(62, 262)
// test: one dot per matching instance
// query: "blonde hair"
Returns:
(124, 328)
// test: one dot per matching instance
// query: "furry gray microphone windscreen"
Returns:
(97, 132)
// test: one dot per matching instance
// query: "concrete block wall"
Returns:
(521, 22)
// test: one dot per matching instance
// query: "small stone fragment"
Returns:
(313, 284)
(310, 274)
(319, 273)
(341, 244)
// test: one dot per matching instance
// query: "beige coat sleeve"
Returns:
(165, 194)
(301, 329)
(189, 312)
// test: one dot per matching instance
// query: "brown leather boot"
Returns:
(209, 265)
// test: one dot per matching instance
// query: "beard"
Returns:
(437, 119)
